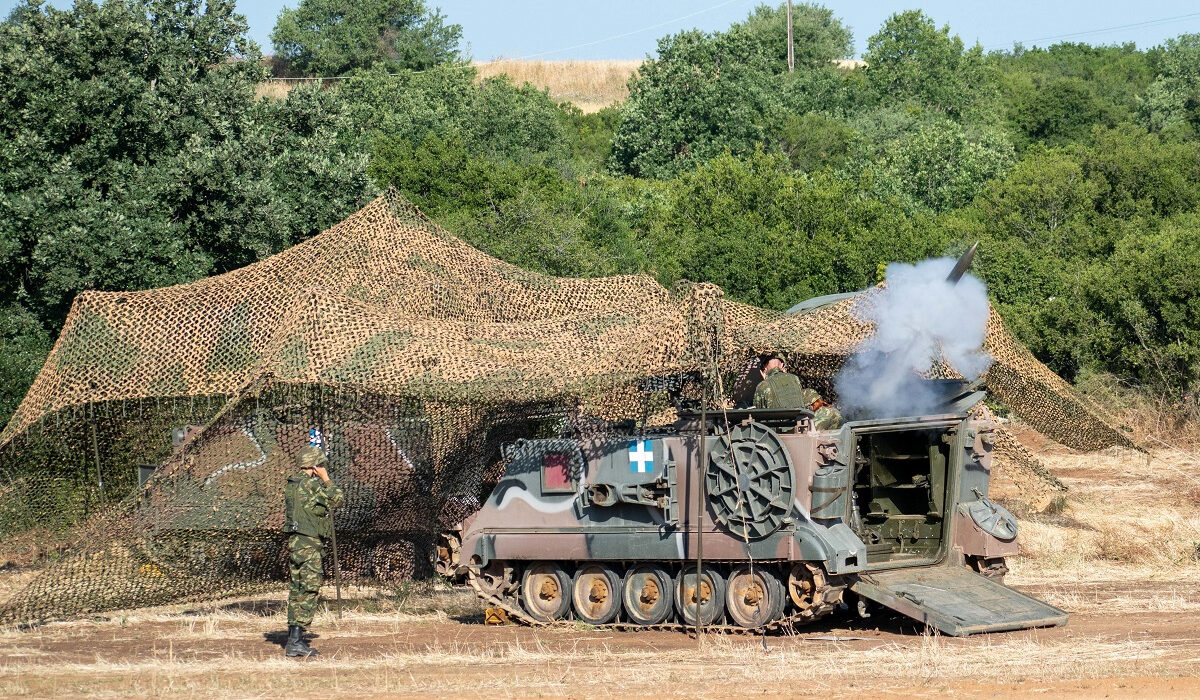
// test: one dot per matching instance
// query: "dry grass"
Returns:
(278, 89)
(1153, 419)
(589, 85)
(1127, 515)
(561, 665)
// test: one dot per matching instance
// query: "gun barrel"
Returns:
(963, 264)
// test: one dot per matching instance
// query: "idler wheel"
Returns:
(596, 596)
(753, 596)
(710, 592)
(545, 591)
(803, 582)
(647, 595)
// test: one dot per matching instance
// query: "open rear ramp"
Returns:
(956, 600)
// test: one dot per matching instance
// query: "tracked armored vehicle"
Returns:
(752, 519)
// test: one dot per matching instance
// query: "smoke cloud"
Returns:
(919, 318)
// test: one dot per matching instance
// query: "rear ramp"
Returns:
(956, 601)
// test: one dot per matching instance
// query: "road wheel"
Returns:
(596, 595)
(545, 591)
(647, 595)
(753, 596)
(710, 593)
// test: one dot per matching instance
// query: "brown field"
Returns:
(589, 85)
(1121, 557)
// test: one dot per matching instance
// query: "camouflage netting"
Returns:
(416, 356)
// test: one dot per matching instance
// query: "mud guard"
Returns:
(956, 600)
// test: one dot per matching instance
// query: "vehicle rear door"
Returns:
(956, 600)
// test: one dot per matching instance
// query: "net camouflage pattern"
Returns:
(416, 356)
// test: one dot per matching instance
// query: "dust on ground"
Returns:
(1119, 555)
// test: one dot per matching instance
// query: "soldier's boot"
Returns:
(296, 646)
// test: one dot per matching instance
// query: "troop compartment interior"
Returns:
(902, 484)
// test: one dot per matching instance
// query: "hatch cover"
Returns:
(956, 600)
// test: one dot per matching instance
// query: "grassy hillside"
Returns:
(589, 85)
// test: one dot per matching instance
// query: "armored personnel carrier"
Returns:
(752, 519)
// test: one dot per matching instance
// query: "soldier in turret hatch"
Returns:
(309, 498)
(779, 389)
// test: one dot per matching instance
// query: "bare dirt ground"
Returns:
(1121, 557)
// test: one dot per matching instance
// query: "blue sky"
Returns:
(615, 29)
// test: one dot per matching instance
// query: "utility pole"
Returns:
(791, 52)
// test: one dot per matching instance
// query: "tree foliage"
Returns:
(334, 37)
(1173, 99)
(911, 59)
(134, 154)
(707, 93)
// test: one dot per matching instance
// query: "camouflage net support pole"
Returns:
(700, 495)
(337, 572)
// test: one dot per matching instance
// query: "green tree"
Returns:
(940, 165)
(818, 36)
(333, 37)
(24, 344)
(1055, 95)
(134, 154)
(1040, 195)
(1060, 111)
(707, 93)
(1141, 173)
(702, 95)
(527, 214)
(911, 59)
(773, 237)
(1137, 312)
(1174, 96)
(493, 118)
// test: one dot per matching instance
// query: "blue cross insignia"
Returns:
(641, 456)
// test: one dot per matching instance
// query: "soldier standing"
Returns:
(779, 389)
(309, 498)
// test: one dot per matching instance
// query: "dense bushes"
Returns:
(133, 154)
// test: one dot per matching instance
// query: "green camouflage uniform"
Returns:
(782, 390)
(307, 517)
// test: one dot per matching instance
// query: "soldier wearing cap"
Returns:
(779, 389)
(309, 498)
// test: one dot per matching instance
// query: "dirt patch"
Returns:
(229, 650)
(1115, 557)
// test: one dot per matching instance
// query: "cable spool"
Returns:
(749, 479)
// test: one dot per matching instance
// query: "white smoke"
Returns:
(919, 317)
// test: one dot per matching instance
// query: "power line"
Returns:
(631, 33)
(544, 53)
(1134, 25)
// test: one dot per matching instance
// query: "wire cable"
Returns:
(1134, 25)
(630, 33)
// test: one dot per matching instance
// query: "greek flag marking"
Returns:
(641, 456)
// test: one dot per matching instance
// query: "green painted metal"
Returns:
(956, 601)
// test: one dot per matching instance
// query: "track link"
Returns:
(821, 607)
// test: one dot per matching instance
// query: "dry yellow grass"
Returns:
(1127, 516)
(580, 664)
(589, 85)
